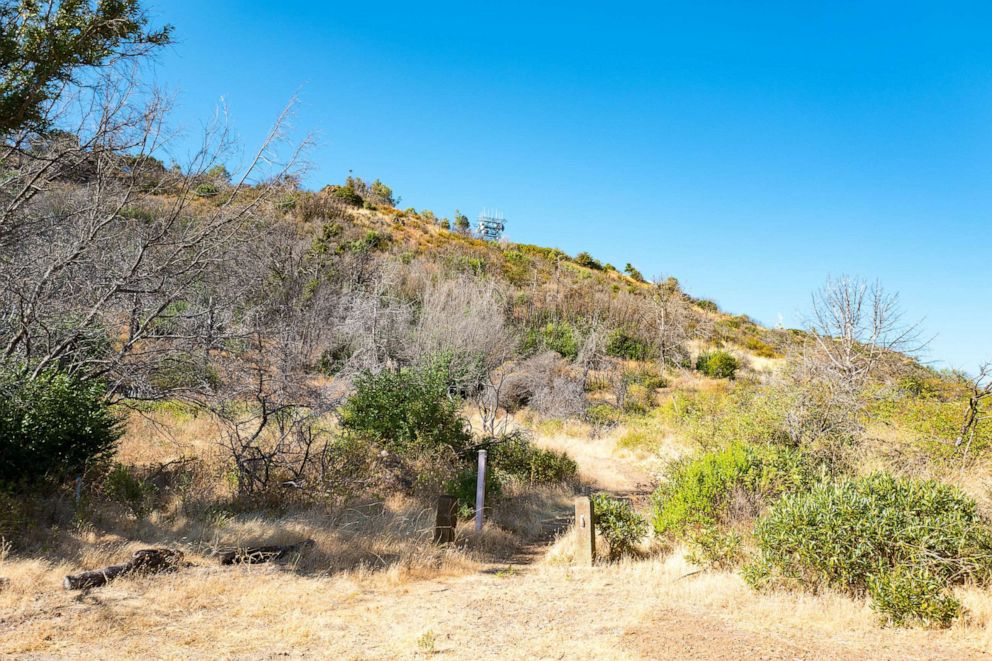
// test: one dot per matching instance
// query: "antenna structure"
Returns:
(491, 225)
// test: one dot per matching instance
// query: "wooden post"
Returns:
(447, 519)
(585, 532)
(480, 491)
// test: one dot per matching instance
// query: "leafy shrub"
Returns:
(902, 541)
(603, 414)
(708, 305)
(587, 260)
(621, 344)
(516, 456)
(406, 410)
(370, 242)
(633, 272)
(52, 427)
(618, 523)
(464, 484)
(123, 486)
(348, 195)
(906, 595)
(717, 364)
(700, 491)
(560, 337)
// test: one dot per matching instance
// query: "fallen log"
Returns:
(143, 561)
(253, 555)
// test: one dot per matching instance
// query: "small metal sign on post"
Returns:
(480, 491)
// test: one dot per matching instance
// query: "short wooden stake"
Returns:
(480, 491)
(585, 532)
(447, 519)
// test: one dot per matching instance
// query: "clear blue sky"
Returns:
(750, 149)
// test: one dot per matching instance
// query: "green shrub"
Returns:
(618, 523)
(560, 337)
(633, 272)
(463, 487)
(907, 595)
(406, 410)
(603, 414)
(587, 260)
(699, 491)
(123, 486)
(348, 195)
(515, 456)
(621, 344)
(52, 427)
(717, 364)
(902, 541)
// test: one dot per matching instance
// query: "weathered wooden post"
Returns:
(447, 519)
(480, 491)
(585, 531)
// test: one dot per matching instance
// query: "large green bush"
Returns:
(52, 427)
(515, 456)
(717, 364)
(560, 337)
(698, 492)
(621, 344)
(406, 410)
(902, 541)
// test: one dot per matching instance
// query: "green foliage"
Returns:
(44, 44)
(618, 523)
(698, 491)
(462, 223)
(52, 427)
(633, 272)
(909, 595)
(348, 195)
(586, 260)
(903, 541)
(517, 457)
(464, 484)
(184, 372)
(560, 337)
(708, 305)
(371, 241)
(382, 194)
(621, 344)
(603, 414)
(406, 410)
(122, 485)
(717, 364)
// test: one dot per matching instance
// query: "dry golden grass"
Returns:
(374, 586)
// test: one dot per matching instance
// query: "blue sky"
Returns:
(750, 149)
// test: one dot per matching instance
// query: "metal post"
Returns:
(480, 491)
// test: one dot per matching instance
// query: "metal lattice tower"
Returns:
(491, 225)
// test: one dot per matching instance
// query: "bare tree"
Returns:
(977, 410)
(102, 275)
(856, 324)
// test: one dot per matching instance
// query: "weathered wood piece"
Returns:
(447, 519)
(585, 532)
(143, 561)
(258, 554)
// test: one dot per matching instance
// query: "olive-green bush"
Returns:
(52, 427)
(902, 541)
(618, 523)
(717, 364)
(698, 491)
(406, 410)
